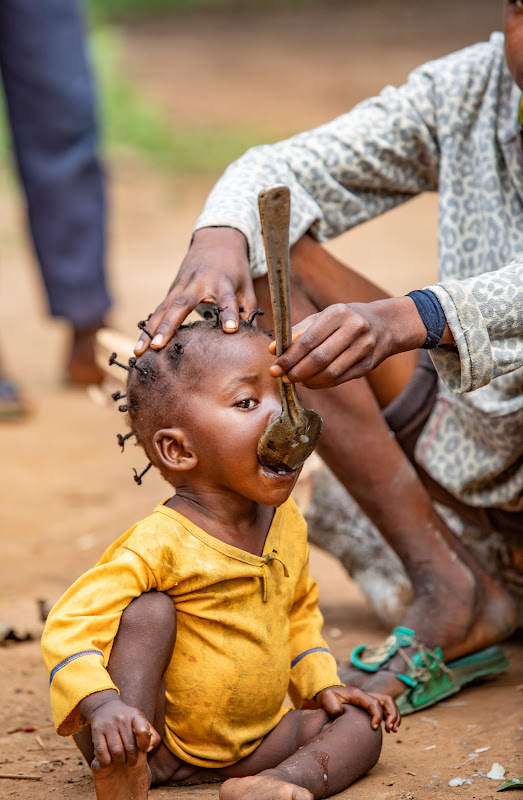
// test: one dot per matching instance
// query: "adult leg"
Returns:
(141, 652)
(308, 755)
(456, 606)
(51, 105)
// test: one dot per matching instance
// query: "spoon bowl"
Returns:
(291, 439)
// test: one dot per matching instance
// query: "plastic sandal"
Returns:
(427, 675)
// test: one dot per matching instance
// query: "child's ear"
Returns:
(173, 450)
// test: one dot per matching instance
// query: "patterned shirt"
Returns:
(454, 128)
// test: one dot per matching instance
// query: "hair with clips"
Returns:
(155, 377)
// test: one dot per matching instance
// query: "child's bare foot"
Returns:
(122, 783)
(262, 787)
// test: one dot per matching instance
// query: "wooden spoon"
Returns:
(290, 440)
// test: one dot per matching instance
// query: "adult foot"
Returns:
(262, 787)
(122, 783)
(81, 367)
(459, 616)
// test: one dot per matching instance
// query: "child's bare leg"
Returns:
(141, 652)
(314, 756)
(456, 606)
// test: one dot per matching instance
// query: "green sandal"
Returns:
(427, 675)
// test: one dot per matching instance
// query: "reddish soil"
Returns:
(67, 492)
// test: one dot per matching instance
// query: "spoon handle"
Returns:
(275, 213)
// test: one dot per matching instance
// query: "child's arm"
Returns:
(80, 630)
(118, 731)
(313, 667)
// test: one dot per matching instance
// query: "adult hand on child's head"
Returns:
(381, 707)
(120, 732)
(215, 270)
(348, 340)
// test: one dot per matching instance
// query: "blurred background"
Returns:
(185, 86)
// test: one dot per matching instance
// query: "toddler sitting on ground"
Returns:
(170, 660)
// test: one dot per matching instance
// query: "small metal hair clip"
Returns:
(138, 478)
(122, 439)
(252, 316)
(118, 396)
(142, 327)
(217, 311)
(112, 360)
(141, 370)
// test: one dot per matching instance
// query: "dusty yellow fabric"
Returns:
(242, 621)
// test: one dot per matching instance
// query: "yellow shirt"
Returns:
(248, 630)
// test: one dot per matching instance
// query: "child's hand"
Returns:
(381, 707)
(119, 731)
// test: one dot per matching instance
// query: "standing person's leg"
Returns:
(52, 112)
(456, 606)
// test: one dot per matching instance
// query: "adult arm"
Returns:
(352, 169)
(485, 317)
(484, 330)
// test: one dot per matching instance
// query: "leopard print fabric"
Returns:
(453, 128)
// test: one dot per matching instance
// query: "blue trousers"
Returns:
(52, 113)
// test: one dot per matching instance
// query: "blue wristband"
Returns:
(431, 314)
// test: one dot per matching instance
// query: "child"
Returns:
(193, 690)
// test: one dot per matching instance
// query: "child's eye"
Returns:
(517, 3)
(247, 404)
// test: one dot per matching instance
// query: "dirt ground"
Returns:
(66, 491)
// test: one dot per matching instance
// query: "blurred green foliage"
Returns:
(133, 124)
(135, 9)
(131, 121)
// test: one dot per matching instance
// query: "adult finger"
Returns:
(327, 361)
(356, 360)
(163, 325)
(247, 300)
(230, 316)
(319, 331)
(167, 318)
(297, 331)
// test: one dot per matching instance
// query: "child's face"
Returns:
(234, 402)
(514, 39)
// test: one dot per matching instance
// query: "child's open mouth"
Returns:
(279, 469)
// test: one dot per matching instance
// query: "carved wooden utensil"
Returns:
(293, 436)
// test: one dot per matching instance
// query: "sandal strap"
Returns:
(423, 666)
